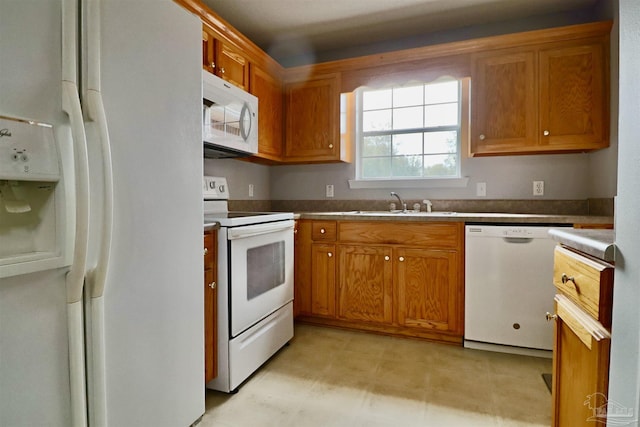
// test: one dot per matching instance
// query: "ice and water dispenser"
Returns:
(34, 221)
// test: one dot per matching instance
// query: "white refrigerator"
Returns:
(101, 267)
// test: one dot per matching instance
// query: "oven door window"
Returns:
(267, 269)
(260, 272)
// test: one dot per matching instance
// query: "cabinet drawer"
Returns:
(324, 231)
(433, 235)
(587, 282)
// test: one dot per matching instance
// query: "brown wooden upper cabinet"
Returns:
(268, 89)
(541, 99)
(312, 120)
(224, 60)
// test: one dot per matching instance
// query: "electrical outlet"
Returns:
(538, 188)
(250, 190)
(329, 191)
(481, 189)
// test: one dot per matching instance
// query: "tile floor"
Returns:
(334, 378)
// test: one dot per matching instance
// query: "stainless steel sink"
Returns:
(399, 212)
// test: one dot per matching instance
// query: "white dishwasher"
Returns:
(509, 288)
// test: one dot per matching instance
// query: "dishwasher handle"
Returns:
(518, 239)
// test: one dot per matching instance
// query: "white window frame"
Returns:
(458, 181)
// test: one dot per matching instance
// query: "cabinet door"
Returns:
(365, 283)
(208, 49)
(429, 289)
(580, 367)
(268, 89)
(573, 108)
(312, 131)
(210, 307)
(323, 279)
(232, 65)
(504, 102)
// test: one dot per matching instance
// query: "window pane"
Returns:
(441, 115)
(408, 96)
(407, 118)
(440, 165)
(376, 167)
(376, 120)
(410, 143)
(437, 93)
(406, 166)
(376, 146)
(376, 100)
(440, 142)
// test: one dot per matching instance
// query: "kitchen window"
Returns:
(410, 133)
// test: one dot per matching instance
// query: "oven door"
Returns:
(261, 272)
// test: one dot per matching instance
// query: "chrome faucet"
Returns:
(403, 205)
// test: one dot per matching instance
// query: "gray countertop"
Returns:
(597, 243)
(467, 217)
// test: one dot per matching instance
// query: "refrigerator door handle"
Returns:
(75, 276)
(97, 276)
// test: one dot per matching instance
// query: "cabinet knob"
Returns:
(330, 145)
(550, 316)
(481, 137)
(212, 285)
(206, 251)
(401, 259)
(213, 65)
(545, 133)
(386, 258)
(566, 279)
(322, 231)
(329, 254)
(222, 71)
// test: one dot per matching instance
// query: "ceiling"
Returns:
(322, 28)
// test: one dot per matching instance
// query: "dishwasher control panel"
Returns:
(528, 232)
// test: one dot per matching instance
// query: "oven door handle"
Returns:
(257, 230)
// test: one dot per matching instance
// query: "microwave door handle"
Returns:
(245, 113)
(257, 230)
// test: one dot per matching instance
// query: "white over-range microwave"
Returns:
(229, 118)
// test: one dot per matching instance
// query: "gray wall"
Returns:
(625, 343)
(240, 174)
(566, 176)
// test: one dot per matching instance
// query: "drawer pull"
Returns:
(550, 316)
(322, 231)
(566, 279)
(329, 254)
(386, 258)
(206, 251)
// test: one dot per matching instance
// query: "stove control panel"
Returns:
(215, 188)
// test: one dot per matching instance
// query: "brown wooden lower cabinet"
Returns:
(428, 289)
(580, 367)
(323, 281)
(582, 338)
(365, 285)
(389, 277)
(210, 306)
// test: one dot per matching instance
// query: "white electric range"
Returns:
(255, 285)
